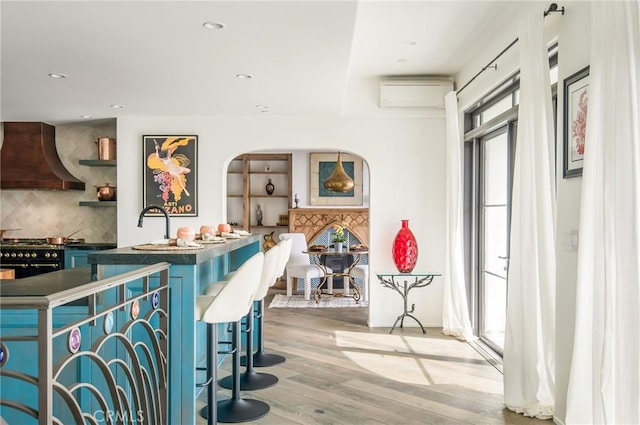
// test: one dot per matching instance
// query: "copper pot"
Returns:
(106, 192)
(106, 148)
(56, 240)
(60, 240)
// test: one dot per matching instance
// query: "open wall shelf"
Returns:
(247, 177)
(98, 162)
(98, 204)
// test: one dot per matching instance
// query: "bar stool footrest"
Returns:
(204, 384)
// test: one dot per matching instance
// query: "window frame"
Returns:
(475, 130)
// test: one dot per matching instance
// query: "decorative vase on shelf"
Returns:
(268, 241)
(270, 188)
(337, 246)
(405, 249)
(258, 216)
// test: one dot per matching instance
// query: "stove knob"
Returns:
(13, 255)
(6, 255)
(46, 255)
(33, 255)
(19, 255)
(54, 255)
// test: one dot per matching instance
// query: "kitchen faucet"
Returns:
(166, 217)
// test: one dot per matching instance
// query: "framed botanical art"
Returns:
(321, 165)
(170, 174)
(575, 121)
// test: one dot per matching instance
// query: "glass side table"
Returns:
(402, 283)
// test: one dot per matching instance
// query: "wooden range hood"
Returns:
(29, 159)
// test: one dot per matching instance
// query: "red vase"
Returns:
(405, 249)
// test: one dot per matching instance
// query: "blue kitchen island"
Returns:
(190, 272)
(74, 350)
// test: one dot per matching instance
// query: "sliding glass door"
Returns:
(493, 223)
(490, 140)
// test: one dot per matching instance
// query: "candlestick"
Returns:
(296, 198)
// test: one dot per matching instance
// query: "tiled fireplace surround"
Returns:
(317, 226)
(317, 223)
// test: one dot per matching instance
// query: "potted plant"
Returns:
(340, 236)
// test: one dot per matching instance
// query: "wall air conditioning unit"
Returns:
(427, 93)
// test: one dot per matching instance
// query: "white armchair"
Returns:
(299, 266)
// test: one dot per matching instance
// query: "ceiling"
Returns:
(155, 58)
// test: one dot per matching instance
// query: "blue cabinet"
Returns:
(76, 258)
(78, 255)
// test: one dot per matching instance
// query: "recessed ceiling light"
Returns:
(402, 61)
(244, 76)
(86, 116)
(213, 25)
(410, 43)
(117, 106)
(262, 107)
(57, 75)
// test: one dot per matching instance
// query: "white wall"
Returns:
(406, 164)
(572, 32)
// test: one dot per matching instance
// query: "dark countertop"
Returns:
(129, 255)
(90, 246)
(45, 284)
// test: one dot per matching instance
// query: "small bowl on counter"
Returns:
(186, 233)
(205, 228)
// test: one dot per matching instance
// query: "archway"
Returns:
(312, 220)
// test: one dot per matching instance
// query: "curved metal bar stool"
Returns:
(260, 357)
(250, 379)
(228, 302)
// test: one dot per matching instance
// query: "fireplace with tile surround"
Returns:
(317, 226)
(314, 222)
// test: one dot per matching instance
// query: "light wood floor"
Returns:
(339, 371)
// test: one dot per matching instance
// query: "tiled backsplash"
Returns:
(42, 213)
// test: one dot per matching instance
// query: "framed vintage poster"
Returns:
(321, 166)
(575, 122)
(170, 174)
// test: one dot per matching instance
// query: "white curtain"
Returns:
(455, 311)
(604, 382)
(529, 349)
